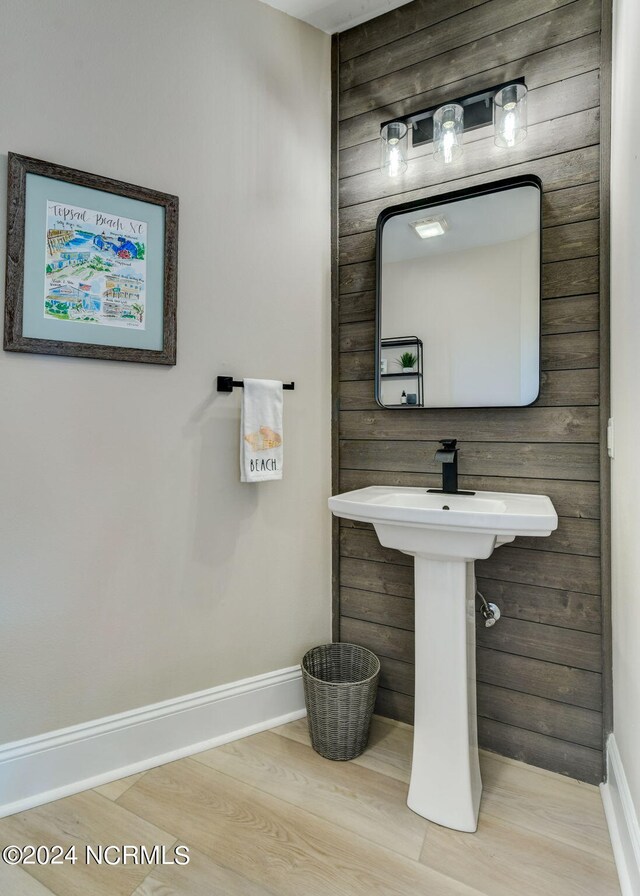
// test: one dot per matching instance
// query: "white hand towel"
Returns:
(261, 431)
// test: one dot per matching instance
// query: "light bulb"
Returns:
(448, 142)
(394, 161)
(509, 128)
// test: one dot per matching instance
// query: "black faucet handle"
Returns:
(449, 444)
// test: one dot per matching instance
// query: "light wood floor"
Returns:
(267, 815)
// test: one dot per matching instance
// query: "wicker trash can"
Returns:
(340, 685)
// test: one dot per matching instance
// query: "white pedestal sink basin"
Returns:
(446, 534)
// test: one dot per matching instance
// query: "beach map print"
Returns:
(96, 267)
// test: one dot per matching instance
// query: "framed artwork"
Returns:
(91, 265)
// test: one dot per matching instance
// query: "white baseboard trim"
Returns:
(622, 821)
(51, 766)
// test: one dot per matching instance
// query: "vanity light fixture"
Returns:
(428, 227)
(504, 105)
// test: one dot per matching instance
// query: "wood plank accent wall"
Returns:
(540, 670)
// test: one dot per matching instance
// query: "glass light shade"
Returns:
(510, 115)
(448, 131)
(393, 148)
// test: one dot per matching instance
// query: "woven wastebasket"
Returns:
(340, 685)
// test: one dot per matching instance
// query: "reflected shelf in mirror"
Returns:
(388, 348)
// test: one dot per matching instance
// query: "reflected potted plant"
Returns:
(407, 362)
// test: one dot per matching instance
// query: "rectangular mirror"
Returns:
(458, 298)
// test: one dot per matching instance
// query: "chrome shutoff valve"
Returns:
(490, 612)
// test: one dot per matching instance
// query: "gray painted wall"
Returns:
(135, 565)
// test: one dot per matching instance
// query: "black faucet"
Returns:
(448, 457)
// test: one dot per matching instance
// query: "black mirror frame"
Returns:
(498, 186)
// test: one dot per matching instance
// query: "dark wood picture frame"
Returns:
(14, 340)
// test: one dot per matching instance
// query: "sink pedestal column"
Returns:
(445, 784)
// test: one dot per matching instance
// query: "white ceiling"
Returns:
(336, 15)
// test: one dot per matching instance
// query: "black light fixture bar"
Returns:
(478, 112)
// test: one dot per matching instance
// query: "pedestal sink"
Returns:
(446, 534)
